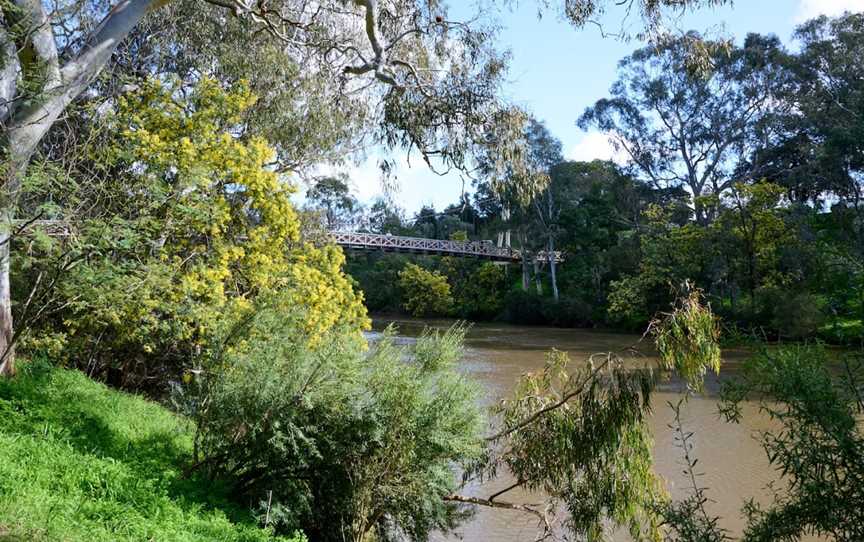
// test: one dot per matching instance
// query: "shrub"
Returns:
(816, 443)
(796, 315)
(568, 312)
(482, 293)
(529, 308)
(425, 293)
(338, 442)
(523, 308)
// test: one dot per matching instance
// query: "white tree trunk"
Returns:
(7, 347)
(538, 283)
(550, 253)
(26, 126)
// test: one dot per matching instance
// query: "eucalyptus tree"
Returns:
(820, 153)
(333, 196)
(828, 106)
(545, 154)
(686, 126)
(816, 148)
(436, 79)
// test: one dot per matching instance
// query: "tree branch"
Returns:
(527, 508)
(558, 404)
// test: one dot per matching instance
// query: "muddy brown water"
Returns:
(731, 460)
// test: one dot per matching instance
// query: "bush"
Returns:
(482, 293)
(425, 293)
(529, 308)
(378, 276)
(816, 442)
(523, 308)
(336, 441)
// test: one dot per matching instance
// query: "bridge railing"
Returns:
(481, 249)
(376, 240)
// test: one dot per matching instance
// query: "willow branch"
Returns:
(554, 406)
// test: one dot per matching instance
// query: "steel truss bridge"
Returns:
(362, 241)
(420, 245)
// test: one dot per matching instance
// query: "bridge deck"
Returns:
(397, 243)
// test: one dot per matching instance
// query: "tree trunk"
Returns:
(537, 280)
(27, 125)
(552, 269)
(7, 346)
(526, 278)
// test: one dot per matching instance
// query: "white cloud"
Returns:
(595, 146)
(807, 9)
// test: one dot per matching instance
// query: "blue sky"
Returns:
(557, 71)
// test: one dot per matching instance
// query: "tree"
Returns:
(670, 256)
(579, 434)
(344, 444)
(817, 444)
(386, 217)
(483, 292)
(179, 228)
(687, 128)
(601, 215)
(753, 220)
(333, 196)
(425, 293)
(49, 61)
(814, 150)
(546, 154)
(440, 76)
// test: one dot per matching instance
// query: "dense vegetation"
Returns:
(744, 180)
(149, 244)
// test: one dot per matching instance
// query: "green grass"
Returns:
(79, 461)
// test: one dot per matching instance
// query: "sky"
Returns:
(557, 71)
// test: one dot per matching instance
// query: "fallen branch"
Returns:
(526, 508)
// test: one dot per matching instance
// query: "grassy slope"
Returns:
(79, 461)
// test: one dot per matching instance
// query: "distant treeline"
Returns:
(742, 177)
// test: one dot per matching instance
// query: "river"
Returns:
(733, 463)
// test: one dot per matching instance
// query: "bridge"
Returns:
(363, 241)
(420, 245)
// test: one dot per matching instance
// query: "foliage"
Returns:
(425, 293)
(688, 340)
(671, 254)
(579, 435)
(818, 445)
(80, 462)
(682, 128)
(185, 226)
(483, 291)
(339, 443)
(333, 196)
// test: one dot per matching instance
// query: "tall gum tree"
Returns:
(685, 125)
(50, 53)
